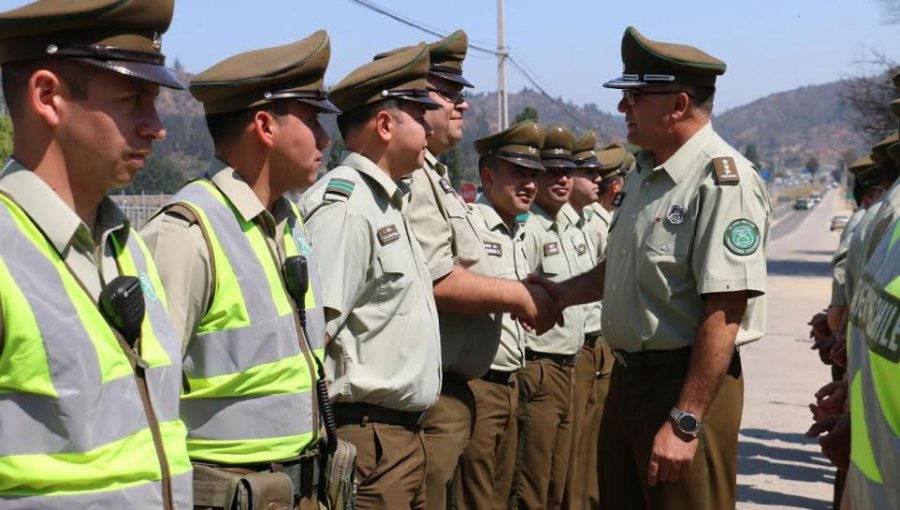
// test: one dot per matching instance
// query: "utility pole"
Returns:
(502, 52)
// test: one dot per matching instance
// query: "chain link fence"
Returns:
(139, 208)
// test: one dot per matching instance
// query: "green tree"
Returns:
(456, 168)
(527, 113)
(752, 155)
(159, 176)
(6, 138)
(812, 166)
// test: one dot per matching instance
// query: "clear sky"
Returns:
(571, 46)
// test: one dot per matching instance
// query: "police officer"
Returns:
(90, 395)
(557, 250)
(686, 282)
(383, 360)
(220, 243)
(594, 359)
(509, 162)
(467, 294)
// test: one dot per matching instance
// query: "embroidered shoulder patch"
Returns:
(387, 235)
(551, 249)
(493, 249)
(725, 171)
(742, 237)
(339, 189)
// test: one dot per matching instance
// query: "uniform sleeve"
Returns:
(430, 226)
(729, 251)
(839, 271)
(182, 259)
(341, 242)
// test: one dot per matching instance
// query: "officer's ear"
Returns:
(265, 127)
(681, 106)
(384, 125)
(487, 177)
(45, 96)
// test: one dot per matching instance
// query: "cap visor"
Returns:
(558, 164)
(160, 75)
(524, 162)
(455, 78)
(425, 101)
(622, 83)
(589, 165)
(322, 104)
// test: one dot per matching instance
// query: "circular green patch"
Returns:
(742, 237)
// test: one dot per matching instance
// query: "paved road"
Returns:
(778, 468)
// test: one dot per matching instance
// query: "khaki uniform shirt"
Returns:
(856, 251)
(591, 228)
(556, 250)
(839, 261)
(504, 247)
(679, 235)
(598, 227)
(182, 255)
(445, 227)
(377, 292)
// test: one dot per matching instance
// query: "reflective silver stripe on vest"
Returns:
(145, 496)
(63, 425)
(162, 380)
(868, 494)
(237, 350)
(242, 418)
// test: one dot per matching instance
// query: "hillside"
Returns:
(786, 127)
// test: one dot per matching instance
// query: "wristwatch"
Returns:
(686, 422)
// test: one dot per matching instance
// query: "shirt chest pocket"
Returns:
(394, 282)
(667, 238)
(555, 266)
(467, 248)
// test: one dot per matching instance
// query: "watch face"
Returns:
(688, 424)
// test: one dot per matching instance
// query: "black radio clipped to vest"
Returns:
(122, 305)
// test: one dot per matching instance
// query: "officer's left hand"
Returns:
(671, 456)
(835, 442)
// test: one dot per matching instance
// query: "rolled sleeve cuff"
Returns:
(440, 268)
(737, 285)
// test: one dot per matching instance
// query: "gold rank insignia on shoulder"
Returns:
(493, 249)
(551, 249)
(725, 171)
(387, 235)
(445, 185)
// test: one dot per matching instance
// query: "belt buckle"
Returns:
(620, 358)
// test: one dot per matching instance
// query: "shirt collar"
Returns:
(684, 159)
(492, 218)
(383, 181)
(236, 189)
(547, 221)
(432, 161)
(55, 218)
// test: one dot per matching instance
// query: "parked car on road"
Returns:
(839, 221)
(802, 204)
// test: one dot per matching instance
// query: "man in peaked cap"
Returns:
(221, 243)
(558, 250)
(90, 418)
(594, 364)
(383, 358)
(509, 162)
(468, 296)
(686, 283)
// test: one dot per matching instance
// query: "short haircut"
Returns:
(72, 74)
(225, 127)
(354, 119)
(704, 97)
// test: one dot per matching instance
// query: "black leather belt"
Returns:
(561, 359)
(358, 413)
(499, 377)
(645, 359)
(591, 340)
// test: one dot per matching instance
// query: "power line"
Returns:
(438, 33)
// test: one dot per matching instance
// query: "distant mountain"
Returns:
(787, 127)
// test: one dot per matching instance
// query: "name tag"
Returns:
(493, 249)
(551, 249)
(387, 235)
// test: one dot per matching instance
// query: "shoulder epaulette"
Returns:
(182, 211)
(725, 171)
(339, 189)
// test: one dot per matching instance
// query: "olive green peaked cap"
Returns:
(894, 152)
(292, 71)
(519, 144)
(860, 164)
(583, 152)
(879, 150)
(650, 62)
(614, 159)
(446, 57)
(556, 153)
(123, 36)
(400, 75)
